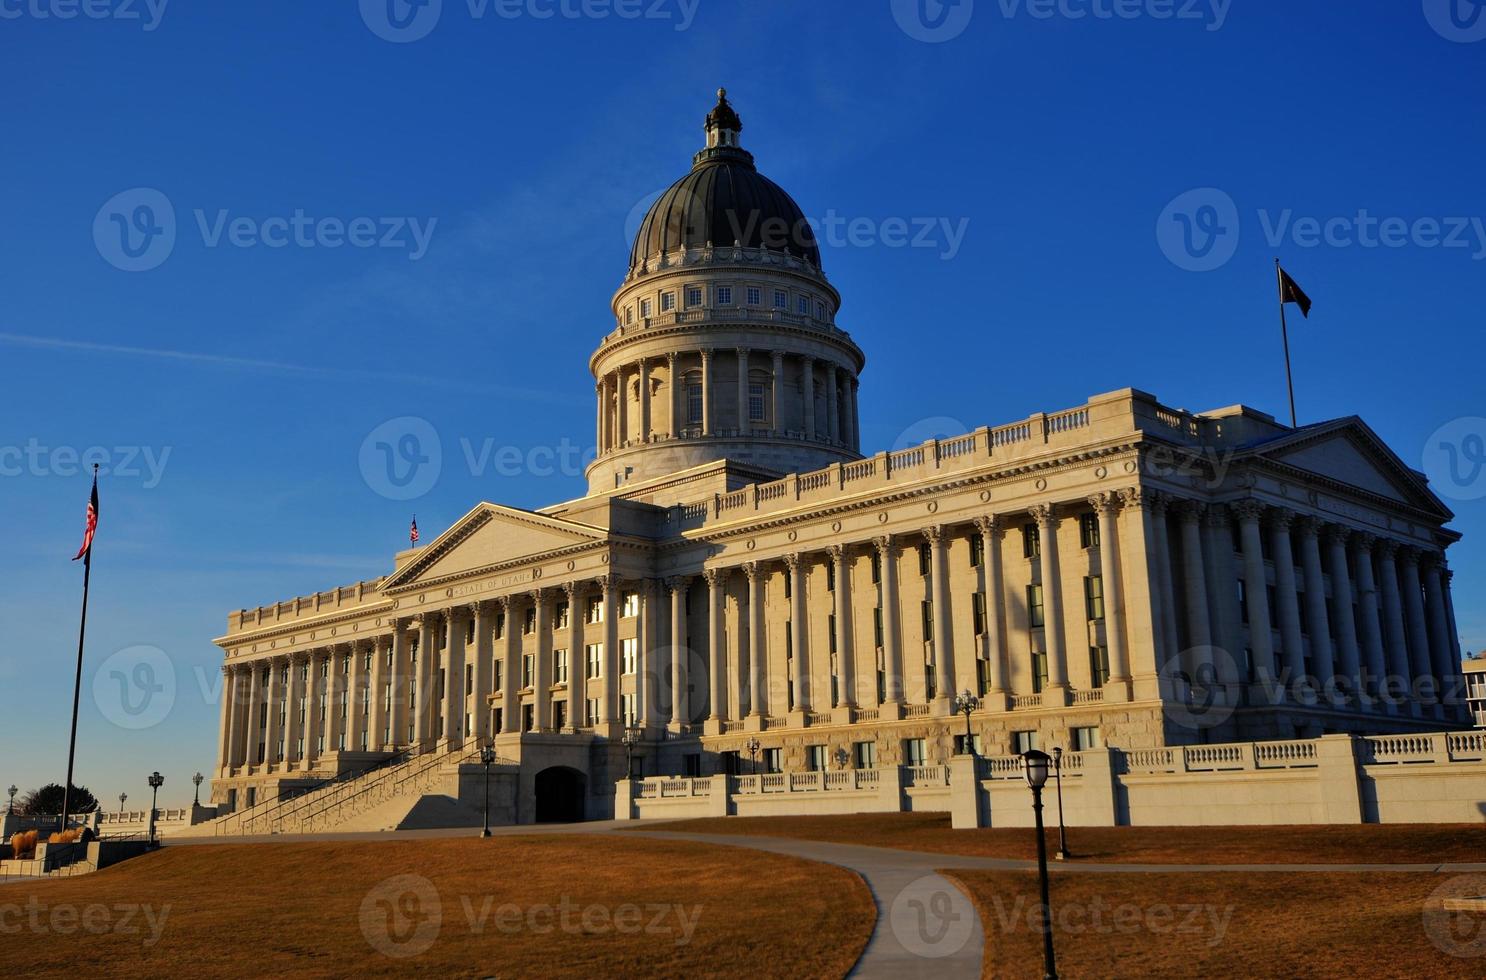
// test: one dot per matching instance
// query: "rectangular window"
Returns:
(977, 550)
(560, 616)
(926, 609)
(1098, 666)
(1243, 602)
(975, 744)
(1039, 671)
(1031, 541)
(755, 296)
(559, 666)
(864, 755)
(527, 668)
(978, 612)
(629, 314)
(595, 659)
(877, 627)
(830, 576)
(831, 635)
(789, 578)
(1094, 597)
(820, 311)
(627, 709)
(876, 567)
(694, 403)
(802, 305)
(629, 654)
(1085, 738)
(1034, 607)
(528, 717)
(595, 610)
(781, 301)
(1088, 531)
(559, 715)
(469, 631)
(724, 295)
(500, 673)
(815, 758)
(756, 410)
(645, 308)
(925, 559)
(631, 605)
(591, 707)
(691, 765)
(500, 627)
(529, 624)
(773, 760)
(1023, 741)
(667, 302)
(469, 677)
(693, 296)
(913, 752)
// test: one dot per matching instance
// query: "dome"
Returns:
(723, 201)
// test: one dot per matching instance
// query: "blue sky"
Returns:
(233, 384)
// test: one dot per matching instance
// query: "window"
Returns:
(1243, 602)
(1088, 531)
(1034, 607)
(631, 607)
(469, 634)
(724, 295)
(975, 744)
(595, 659)
(500, 630)
(1098, 666)
(629, 655)
(876, 567)
(500, 673)
(802, 305)
(756, 411)
(1094, 597)
(977, 550)
(773, 760)
(627, 709)
(877, 627)
(1039, 671)
(529, 625)
(469, 680)
(730, 764)
(667, 302)
(1023, 741)
(693, 399)
(526, 670)
(591, 711)
(594, 613)
(559, 715)
(528, 717)
(820, 311)
(913, 752)
(926, 609)
(864, 755)
(1031, 541)
(815, 758)
(978, 612)
(789, 576)
(645, 308)
(629, 314)
(755, 296)
(781, 301)
(559, 666)
(830, 576)
(560, 616)
(1086, 738)
(691, 765)
(693, 296)
(925, 559)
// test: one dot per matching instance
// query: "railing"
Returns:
(262, 814)
(1466, 746)
(1297, 754)
(1093, 696)
(916, 711)
(817, 718)
(1008, 435)
(1397, 749)
(1026, 701)
(926, 776)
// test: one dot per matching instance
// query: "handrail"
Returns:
(249, 816)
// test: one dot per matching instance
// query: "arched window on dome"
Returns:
(760, 398)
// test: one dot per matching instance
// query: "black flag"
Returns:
(1290, 292)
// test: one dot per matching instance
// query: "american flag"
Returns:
(412, 531)
(87, 547)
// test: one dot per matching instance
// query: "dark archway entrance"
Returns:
(560, 792)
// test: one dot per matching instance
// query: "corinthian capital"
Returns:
(1247, 510)
(1104, 502)
(1044, 515)
(990, 524)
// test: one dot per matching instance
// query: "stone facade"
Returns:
(741, 587)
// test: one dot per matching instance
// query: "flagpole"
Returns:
(1279, 278)
(77, 684)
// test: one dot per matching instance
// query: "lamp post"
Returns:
(12, 791)
(156, 781)
(1062, 854)
(487, 758)
(122, 798)
(965, 702)
(753, 746)
(631, 738)
(1035, 766)
(197, 780)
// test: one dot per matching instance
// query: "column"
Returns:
(1199, 626)
(833, 424)
(577, 657)
(1256, 590)
(1374, 667)
(335, 712)
(1425, 685)
(427, 656)
(807, 389)
(312, 727)
(709, 418)
(678, 405)
(1106, 507)
(743, 424)
(758, 696)
(645, 399)
(855, 442)
(376, 739)
(1287, 598)
(892, 650)
(293, 720)
(944, 637)
(400, 681)
(356, 697)
(1222, 595)
(1396, 637)
(1446, 595)
(272, 698)
(646, 679)
(609, 704)
(600, 397)
(621, 409)
(1171, 661)
(991, 531)
(776, 391)
(1349, 655)
(453, 708)
(845, 648)
(541, 686)
(255, 695)
(1145, 602)
(799, 632)
(1440, 646)
(484, 661)
(680, 703)
(1052, 605)
(510, 681)
(1322, 659)
(231, 717)
(717, 710)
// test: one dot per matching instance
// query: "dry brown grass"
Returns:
(297, 908)
(1274, 925)
(1365, 844)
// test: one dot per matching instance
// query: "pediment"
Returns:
(1348, 452)
(492, 536)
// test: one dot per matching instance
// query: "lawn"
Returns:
(510, 907)
(1365, 844)
(1257, 924)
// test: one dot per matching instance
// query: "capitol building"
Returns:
(745, 587)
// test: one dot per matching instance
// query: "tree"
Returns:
(47, 801)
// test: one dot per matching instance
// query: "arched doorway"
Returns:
(560, 792)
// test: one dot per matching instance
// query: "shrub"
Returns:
(23, 844)
(67, 836)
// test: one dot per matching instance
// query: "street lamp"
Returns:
(630, 738)
(1035, 766)
(753, 746)
(1062, 854)
(122, 798)
(965, 702)
(197, 780)
(487, 758)
(12, 791)
(156, 781)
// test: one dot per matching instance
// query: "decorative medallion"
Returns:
(604, 559)
(1041, 483)
(422, 598)
(933, 506)
(751, 544)
(1130, 466)
(882, 518)
(449, 593)
(835, 525)
(536, 573)
(985, 496)
(572, 564)
(1101, 472)
(793, 534)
